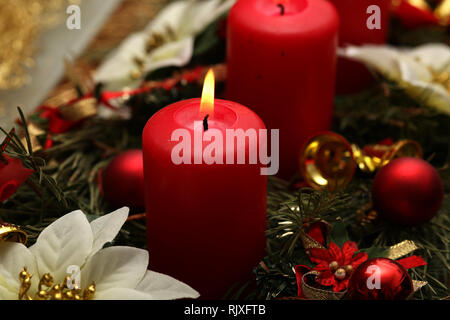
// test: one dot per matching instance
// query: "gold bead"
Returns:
(334, 266)
(340, 274)
(349, 269)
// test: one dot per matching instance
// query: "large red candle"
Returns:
(354, 30)
(281, 63)
(205, 222)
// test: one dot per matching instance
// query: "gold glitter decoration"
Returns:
(52, 291)
(401, 249)
(417, 284)
(312, 293)
(79, 110)
(34, 131)
(309, 242)
(20, 24)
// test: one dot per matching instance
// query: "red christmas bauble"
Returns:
(407, 191)
(123, 180)
(380, 279)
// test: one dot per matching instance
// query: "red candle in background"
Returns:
(205, 223)
(281, 58)
(353, 76)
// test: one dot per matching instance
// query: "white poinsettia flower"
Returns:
(118, 272)
(424, 72)
(184, 19)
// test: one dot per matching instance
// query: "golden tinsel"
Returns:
(21, 22)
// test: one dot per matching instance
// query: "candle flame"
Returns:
(207, 101)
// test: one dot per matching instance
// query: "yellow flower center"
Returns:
(48, 290)
(442, 78)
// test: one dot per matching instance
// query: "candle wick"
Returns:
(205, 123)
(281, 8)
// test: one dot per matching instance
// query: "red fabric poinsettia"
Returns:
(345, 257)
(12, 175)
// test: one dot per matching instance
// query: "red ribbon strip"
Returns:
(412, 262)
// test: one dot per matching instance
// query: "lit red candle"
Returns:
(205, 222)
(281, 63)
(362, 22)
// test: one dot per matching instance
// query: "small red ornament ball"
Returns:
(380, 279)
(407, 191)
(123, 180)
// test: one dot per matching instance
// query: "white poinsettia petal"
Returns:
(169, 17)
(433, 95)
(381, 58)
(115, 267)
(106, 228)
(119, 64)
(185, 19)
(121, 294)
(65, 242)
(200, 14)
(164, 287)
(415, 70)
(417, 80)
(13, 257)
(176, 53)
(411, 70)
(434, 55)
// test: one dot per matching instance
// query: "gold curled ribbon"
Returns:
(385, 153)
(12, 233)
(328, 160)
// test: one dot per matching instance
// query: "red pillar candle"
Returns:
(354, 16)
(281, 59)
(205, 222)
